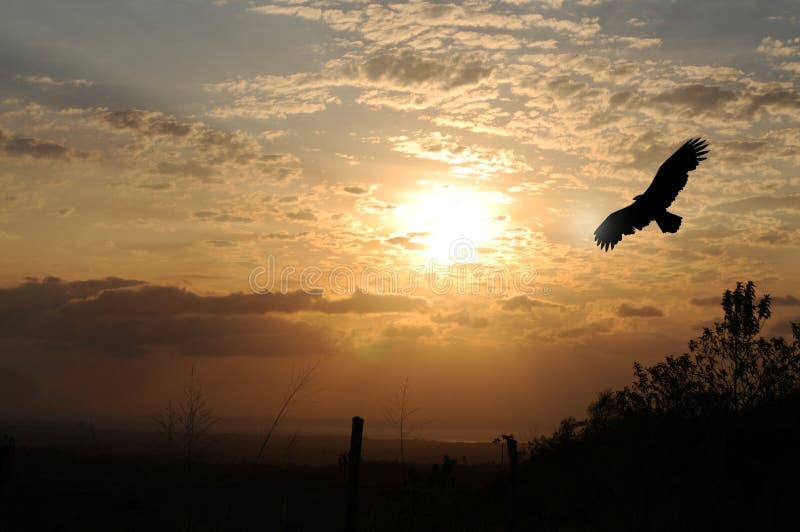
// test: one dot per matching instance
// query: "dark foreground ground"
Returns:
(618, 470)
(655, 473)
(48, 489)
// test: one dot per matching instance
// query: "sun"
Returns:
(450, 223)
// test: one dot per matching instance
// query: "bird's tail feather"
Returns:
(668, 222)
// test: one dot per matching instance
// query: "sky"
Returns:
(401, 190)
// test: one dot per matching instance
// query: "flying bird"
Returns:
(652, 205)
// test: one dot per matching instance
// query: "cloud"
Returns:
(148, 123)
(356, 190)
(694, 99)
(462, 318)
(786, 301)
(35, 148)
(366, 303)
(304, 214)
(636, 43)
(791, 66)
(490, 41)
(284, 235)
(185, 169)
(48, 81)
(637, 22)
(464, 161)
(629, 311)
(758, 203)
(405, 242)
(122, 317)
(156, 186)
(193, 149)
(138, 142)
(593, 328)
(270, 96)
(407, 67)
(407, 331)
(777, 48)
(223, 217)
(374, 206)
(523, 302)
(705, 301)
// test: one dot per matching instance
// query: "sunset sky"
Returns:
(160, 162)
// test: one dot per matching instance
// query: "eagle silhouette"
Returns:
(652, 205)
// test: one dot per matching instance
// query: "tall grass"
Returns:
(298, 385)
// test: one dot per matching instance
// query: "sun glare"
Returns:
(450, 223)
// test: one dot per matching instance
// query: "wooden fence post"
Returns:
(513, 463)
(353, 468)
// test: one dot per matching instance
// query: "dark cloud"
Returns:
(705, 301)
(148, 123)
(713, 101)
(14, 146)
(565, 87)
(155, 300)
(302, 214)
(694, 99)
(365, 303)
(210, 147)
(209, 335)
(590, 328)
(779, 99)
(524, 302)
(462, 318)
(356, 190)
(38, 298)
(786, 301)
(156, 186)
(120, 317)
(777, 237)
(620, 98)
(649, 151)
(406, 68)
(629, 311)
(758, 203)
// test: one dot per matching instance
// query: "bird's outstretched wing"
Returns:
(673, 174)
(621, 222)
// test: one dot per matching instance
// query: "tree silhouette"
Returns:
(398, 416)
(185, 428)
(729, 367)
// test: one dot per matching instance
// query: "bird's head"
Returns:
(637, 198)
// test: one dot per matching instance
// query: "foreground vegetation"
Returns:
(704, 441)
